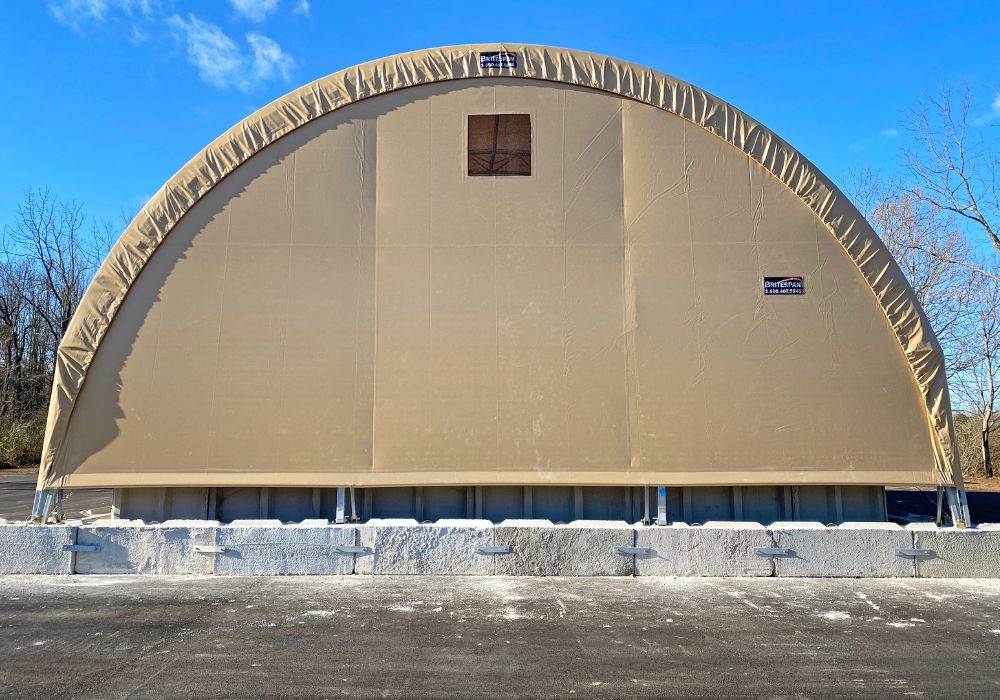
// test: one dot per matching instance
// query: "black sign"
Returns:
(784, 285)
(498, 59)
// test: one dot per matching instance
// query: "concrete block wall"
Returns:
(512, 548)
(539, 548)
(863, 550)
(36, 549)
(132, 547)
(404, 546)
(268, 548)
(714, 549)
(973, 553)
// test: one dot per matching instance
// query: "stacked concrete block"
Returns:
(133, 547)
(848, 550)
(957, 553)
(713, 549)
(539, 548)
(268, 548)
(36, 549)
(404, 546)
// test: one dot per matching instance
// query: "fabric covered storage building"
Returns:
(499, 266)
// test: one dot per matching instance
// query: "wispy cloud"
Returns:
(254, 10)
(302, 7)
(222, 62)
(77, 14)
(268, 58)
(889, 133)
(990, 116)
(209, 49)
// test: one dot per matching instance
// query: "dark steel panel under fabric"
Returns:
(830, 504)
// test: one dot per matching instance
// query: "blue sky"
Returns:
(105, 99)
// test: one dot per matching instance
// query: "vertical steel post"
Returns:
(418, 503)
(265, 503)
(661, 505)
(340, 506)
(737, 502)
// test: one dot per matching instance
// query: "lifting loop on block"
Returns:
(915, 552)
(634, 551)
(773, 552)
(209, 549)
(348, 549)
(81, 548)
(497, 549)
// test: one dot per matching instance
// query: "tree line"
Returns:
(939, 215)
(49, 254)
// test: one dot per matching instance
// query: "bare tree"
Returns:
(49, 233)
(955, 170)
(922, 241)
(979, 383)
(48, 258)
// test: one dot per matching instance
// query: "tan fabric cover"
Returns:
(350, 308)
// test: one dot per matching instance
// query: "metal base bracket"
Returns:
(958, 504)
(45, 503)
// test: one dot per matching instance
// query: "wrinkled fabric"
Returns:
(151, 226)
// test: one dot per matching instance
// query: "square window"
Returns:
(499, 144)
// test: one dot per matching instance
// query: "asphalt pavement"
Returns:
(476, 637)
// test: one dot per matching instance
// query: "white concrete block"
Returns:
(582, 548)
(132, 547)
(304, 548)
(35, 549)
(713, 549)
(967, 553)
(848, 550)
(403, 546)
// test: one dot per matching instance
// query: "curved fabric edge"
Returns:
(144, 234)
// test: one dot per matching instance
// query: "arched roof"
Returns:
(152, 225)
